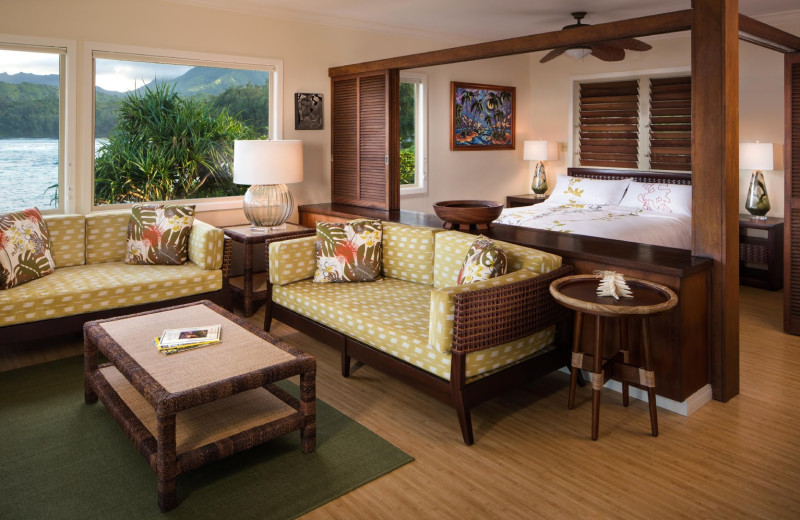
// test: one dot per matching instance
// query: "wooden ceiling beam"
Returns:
(759, 33)
(632, 28)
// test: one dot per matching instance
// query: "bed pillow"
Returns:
(664, 198)
(577, 190)
(349, 252)
(24, 248)
(158, 234)
(484, 260)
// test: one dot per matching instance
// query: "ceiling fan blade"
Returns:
(607, 52)
(631, 44)
(555, 53)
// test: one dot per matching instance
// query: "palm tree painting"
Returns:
(482, 117)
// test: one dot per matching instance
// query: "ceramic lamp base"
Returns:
(268, 206)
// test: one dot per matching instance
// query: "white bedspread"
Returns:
(617, 222)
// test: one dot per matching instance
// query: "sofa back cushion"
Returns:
(452, 246)
(106, 236)
(67, 239)
(408, 252)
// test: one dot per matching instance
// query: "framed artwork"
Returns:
(482, 116)
(307, 111)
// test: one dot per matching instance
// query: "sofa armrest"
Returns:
(485, 314)
(293, 258)
(206, 245)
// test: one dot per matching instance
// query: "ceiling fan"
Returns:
(613, 50)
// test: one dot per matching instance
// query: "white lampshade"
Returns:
(539, 151)
(267, 162)
(756, 156)
(578, 53)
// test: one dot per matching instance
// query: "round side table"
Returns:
(579, 293)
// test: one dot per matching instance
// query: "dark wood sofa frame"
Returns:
(482, 319)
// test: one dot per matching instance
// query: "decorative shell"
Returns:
(613, 284)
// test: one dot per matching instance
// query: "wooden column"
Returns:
(715, 143)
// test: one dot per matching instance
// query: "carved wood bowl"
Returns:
(472, 213)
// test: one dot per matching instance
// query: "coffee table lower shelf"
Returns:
(199, 435)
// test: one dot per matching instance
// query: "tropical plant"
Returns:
(407, 165)
(166, 148)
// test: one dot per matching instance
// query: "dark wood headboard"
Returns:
(637, 175)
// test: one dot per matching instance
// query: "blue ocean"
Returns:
(27, 168)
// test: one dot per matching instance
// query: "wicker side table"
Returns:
(579, 293)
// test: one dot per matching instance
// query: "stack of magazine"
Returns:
(173, 341)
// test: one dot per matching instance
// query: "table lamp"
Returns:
(757, 157)
(267, 166)
(539, 151)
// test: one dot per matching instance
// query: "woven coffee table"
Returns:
(188, 409)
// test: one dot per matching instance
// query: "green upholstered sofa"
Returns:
(460, 343)
(92, 282)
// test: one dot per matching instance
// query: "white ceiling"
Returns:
(469, 21)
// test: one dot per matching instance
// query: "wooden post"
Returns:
(715, 143)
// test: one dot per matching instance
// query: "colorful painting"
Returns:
(482, 117)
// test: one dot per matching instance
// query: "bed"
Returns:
(635, 206)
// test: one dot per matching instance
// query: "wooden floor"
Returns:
(533, 458)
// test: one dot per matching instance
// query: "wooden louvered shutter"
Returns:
(365, 156)
(671, 123)
(609, 124)
(791, 230)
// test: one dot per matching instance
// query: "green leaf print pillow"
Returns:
(349, 252)
(158, 234)
(484, 260)
(24, 248)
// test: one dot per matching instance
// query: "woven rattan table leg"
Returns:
(308, 408)
(166, 463)
(576, 346)
(623, 347)
(597, 375)
(648, 367)
(248, 279)
(89, 368)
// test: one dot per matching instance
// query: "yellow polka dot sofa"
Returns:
(459, 343)
(91, 281)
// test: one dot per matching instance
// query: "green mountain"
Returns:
(210, 81)
(35, 79)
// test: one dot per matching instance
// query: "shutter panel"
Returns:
(609, 124)
(671, 123)
(791, 273)
(364, 120)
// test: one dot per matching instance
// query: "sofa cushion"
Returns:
(484, 260)
(80, 289)
(392, 316)
(24, 248)
(158, 234)
(348, 251)
(107, 236)
(292, 260)
(452, 247)
(408, 252)
(206, 245)
(67, 239)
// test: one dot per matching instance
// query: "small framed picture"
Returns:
(307, 111)
(482, 117)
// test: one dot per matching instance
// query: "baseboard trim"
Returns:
(686, 408)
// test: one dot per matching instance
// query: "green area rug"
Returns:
(62, 458)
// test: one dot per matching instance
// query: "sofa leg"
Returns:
(458, 370)
(465, 420)
(345, 363)
(267, 316)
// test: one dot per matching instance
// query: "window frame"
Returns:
(67, 112)
(94, 50)
(643, 77)
(420, 135)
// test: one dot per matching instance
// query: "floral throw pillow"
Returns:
(24, 248)
(484, 260)
(158, 234)
(349, 252)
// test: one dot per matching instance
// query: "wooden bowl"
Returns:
(472, 213)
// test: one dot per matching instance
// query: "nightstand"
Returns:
(767, 251)
(528, 199)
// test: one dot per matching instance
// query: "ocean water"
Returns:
(27, 168)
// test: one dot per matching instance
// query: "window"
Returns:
(164, 126)
(412, 133)
(643, 123)
(32, 125)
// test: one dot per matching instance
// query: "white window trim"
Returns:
(644, 106)
(67, 112)
(421, 137)
(115, 51)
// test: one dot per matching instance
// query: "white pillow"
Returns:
(577, 190)
(661, 197)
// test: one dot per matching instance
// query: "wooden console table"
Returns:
(767, 251)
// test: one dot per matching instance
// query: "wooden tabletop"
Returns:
(579, 293)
